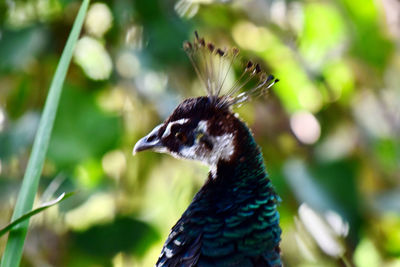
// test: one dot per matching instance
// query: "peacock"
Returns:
(233, 219)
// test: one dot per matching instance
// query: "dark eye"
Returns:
(151, 138)
(181, 137)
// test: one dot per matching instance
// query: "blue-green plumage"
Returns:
(233, 220)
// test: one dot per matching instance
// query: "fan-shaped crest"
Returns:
(213, 64)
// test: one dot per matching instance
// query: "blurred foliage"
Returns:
(329, 131)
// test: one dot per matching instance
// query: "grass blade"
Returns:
(29, 214)
(13, 252)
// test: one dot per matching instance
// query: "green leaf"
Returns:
(323, 31)
(13, 251)
(124, 234)
(369, 41)
(27, 215)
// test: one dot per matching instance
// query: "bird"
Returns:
(233, 219)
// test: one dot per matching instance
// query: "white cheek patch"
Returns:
(160, 149)
(172, 123)
(202, 126)
(223, 148)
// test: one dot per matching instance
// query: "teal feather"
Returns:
(232, 221)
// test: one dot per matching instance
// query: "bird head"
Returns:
(198, 129)
(204, 128)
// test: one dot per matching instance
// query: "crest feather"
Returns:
(213, 64)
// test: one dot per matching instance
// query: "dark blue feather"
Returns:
(232, 220)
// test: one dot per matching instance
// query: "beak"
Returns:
(150, 141)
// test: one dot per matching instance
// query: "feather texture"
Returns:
(232, 220)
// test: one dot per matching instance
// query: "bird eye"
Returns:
(181, 137)
(151, 138)
(199, 135)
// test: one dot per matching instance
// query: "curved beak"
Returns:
(150, 141)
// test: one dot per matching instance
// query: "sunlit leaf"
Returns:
(27, 215)
(323, 33)
(369, 42)
(13, 251)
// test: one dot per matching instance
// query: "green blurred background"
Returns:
(329, 131)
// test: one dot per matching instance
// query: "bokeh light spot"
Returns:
(186, 8)
(127, 65)
(98, 19)
(98, 209)
(305, 127)
(320, 231)
(2, 119)
(114, 164)
(95, 61)
(134, 37)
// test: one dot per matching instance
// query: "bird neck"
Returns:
(240, 179)
(246, 161)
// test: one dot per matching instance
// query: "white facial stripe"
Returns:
(168, 129)
(223, 148)
(154, 132)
